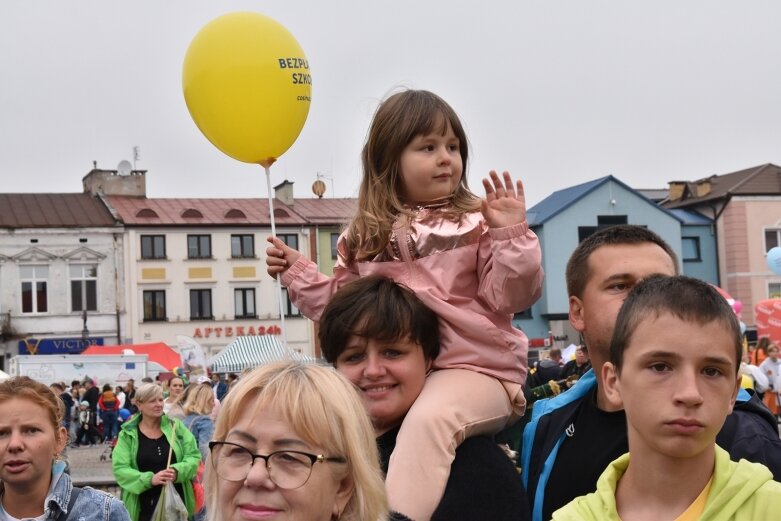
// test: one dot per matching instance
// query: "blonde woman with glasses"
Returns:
(293, 442)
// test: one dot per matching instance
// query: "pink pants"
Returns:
(453, 405)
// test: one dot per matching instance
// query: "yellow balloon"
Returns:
(247, 86)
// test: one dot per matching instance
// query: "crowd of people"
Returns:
(94, 415)
(424, 373)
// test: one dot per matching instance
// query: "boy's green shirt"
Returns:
(741, 491)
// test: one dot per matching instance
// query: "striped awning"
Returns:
(251, 351)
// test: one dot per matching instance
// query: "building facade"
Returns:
(196, 267)
(745, 207)
(566, 217)
(61, 275)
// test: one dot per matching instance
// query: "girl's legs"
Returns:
(454, 404)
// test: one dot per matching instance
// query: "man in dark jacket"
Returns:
(572, 437)
(219, 386)
(91, 395)
(67, 403)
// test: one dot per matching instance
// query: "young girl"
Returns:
(474, 262)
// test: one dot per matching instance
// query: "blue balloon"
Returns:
(742, 327)
(124, 414)
(774, 260)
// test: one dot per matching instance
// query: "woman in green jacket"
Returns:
(140, 457)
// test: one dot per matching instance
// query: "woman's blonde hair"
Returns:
(398, 120)
(148, 392)
(322, 407)
(200, 400)
(25, 388)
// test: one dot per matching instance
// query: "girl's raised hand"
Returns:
(279, 257)
(503, 205)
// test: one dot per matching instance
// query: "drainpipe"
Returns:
(117, 290)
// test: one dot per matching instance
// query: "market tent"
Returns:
(251, 351)
(158, 352)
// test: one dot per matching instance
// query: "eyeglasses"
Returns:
(287, 469)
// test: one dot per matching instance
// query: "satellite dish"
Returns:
(318, 188)
(124, 167)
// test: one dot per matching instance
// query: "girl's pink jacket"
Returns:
(474, 277)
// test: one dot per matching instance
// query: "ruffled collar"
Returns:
(430, 205)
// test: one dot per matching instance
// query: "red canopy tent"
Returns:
(158, 352)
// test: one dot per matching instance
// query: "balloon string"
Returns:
(280, 300)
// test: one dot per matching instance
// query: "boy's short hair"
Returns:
(578, 271)
(688, 299)
(377, 308)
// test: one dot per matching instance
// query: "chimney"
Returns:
(703, 187)
(284, 192)
(110, 182)
(676, 189)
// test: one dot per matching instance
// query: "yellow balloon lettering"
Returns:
(301, 79)
(293, 63)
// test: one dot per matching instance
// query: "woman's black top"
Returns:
(152, 457)
(483, 483)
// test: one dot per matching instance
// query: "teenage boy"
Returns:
(673, 368)
(579, 422)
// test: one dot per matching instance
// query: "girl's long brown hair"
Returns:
(398, 120)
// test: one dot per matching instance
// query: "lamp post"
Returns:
(85, 331)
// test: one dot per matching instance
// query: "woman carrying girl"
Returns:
(474, 262)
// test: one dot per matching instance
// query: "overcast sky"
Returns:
(557, 92)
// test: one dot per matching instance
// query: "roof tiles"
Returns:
(47, 210)
(137, 211)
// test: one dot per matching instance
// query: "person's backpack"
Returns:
(109, 401)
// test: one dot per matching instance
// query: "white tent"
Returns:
(4, 375)
(251, 351)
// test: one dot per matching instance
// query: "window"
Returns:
(154, 305)
(290, 309)
(244, 299)
(603, 221)
(153, 246)
(201, 304)
(84, 287)
(772, 239)
(774, 290)
(523, 315)
(199, 246)
(242, 246)
(334, 241)
(34, 291)
(291, 239)
(691, 249)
